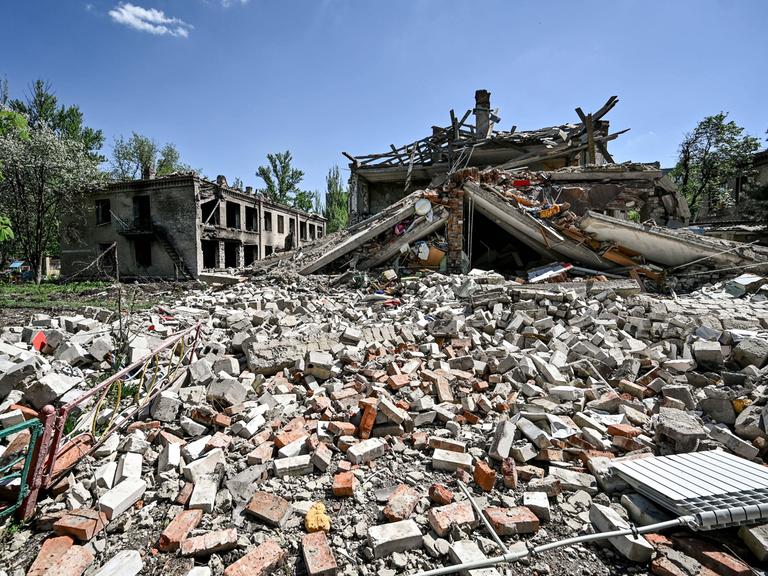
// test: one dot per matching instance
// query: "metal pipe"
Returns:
(514, 556)
(479, 512)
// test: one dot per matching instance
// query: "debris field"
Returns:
(325, 425)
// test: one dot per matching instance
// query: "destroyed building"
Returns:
(378, 180)
(178, 226)
(317, 425)
(744, 217)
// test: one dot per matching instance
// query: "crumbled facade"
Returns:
(178, 227)
(379, 180)
(744, 217)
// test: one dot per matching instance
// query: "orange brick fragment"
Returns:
(184, 522)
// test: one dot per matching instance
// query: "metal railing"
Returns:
(63, 443)
(17, 466)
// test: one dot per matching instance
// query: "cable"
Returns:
(707, 519)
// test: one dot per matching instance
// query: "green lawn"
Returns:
(49, 295)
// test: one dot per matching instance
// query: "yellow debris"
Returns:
(740, 403)
(316, 518)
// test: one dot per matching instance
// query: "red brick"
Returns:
(712, 556)
(73, 563)
(658, 540)
(484, 476)
(207, 544)
(82, 524)
(269, 508)
(440, 494)
(624, 430)
(627, 444)
(457, 514)
(298, 423)
(397, 381)
(550, 455)
(341, 428)
(168, 438)
(663, 566)
(509, 521)
(420, 440)
(71, 454)
(260, 561)
(234, 410)
(185, 494)
(218, 440)
(401, 503)
(463, 476)
(143, 426)
(368, 418)
(509, 472)
(262, 454)
(318, 556)
(184, 522)
(286, 437)
(26, 411)
(344, 484)
(528, 472)
(51, 551)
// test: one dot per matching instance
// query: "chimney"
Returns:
(221, 180)
(482, 113)
(249, 189)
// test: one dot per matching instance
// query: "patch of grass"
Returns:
(68, 296)
(13, 527)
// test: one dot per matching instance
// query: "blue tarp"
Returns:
(17, 264)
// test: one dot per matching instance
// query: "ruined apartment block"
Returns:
(178, 227)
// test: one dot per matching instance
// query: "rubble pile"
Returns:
(322, 426)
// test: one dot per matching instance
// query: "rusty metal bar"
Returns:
(47, 417)
(49, 473)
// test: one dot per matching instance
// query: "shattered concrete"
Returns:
(372, 401)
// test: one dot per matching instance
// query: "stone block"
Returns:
(387, 539)
(122, 497)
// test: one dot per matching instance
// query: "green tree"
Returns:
(46, 176)
(6, 232)
(710, 157)
(140, 157)
(304, 200)
(41, 108)
(281, 179)
(336, 201)
(10, 122)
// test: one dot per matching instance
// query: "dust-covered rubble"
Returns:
(321, 428)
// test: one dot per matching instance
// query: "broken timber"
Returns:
(363, 236)
(421, 229)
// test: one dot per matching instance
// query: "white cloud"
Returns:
(149, 20)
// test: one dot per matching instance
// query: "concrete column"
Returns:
(240, 255)
(482, 113)
(220, 254)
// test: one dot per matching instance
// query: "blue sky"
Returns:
(228, 81)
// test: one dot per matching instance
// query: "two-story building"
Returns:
(177, 227)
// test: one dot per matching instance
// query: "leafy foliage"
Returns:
(336, 201)
(139, 156)
(281, 179)
(41, 108)
(304, 200)
(46, 176)
(711, 156)
(6, 232)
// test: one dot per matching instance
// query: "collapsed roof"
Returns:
(531, 210)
